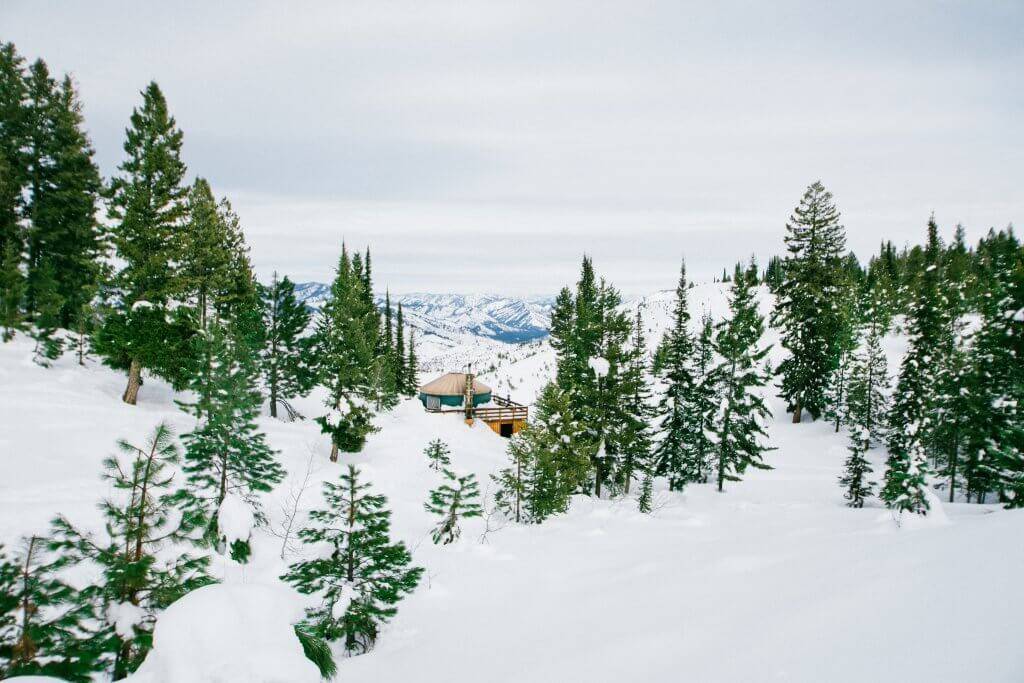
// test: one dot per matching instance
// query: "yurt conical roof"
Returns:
(453, 384)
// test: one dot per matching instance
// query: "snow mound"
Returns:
(229, 632)
(235, 519)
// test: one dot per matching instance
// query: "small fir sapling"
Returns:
(456, 499)
(438, 453)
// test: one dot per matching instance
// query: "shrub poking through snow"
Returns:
(139, 572)
(437, 453)
(41, 627)
(359, 573)
(645, 501)
(456, 499)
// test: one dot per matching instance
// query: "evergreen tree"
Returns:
(412, 379)
(634, 435)
(954, 409)
(590, 334)
(438, 453)
(12, 282)
(740, 422)
(550, 460)
(837, 387)
(857, 468)
(604, 418)
(237, 298)
(774, 273)
(47, 305)
(576, 335)
(399, 363)
(561, 331)
(345, 346)
(867, 398)
(147, 205)
(206, 257)
(456, 499)
(13, 172)
(881, 296)
(41, 627)
(953, 388)
(808, 304)
(140, 573)
(391, 357)
(996, 429)
(65, 240)
(645, 501)
(515, 482)
(911, 420)
(283, 359)
(704, 405)
(679, 416)
(226, 453)
(364, 574)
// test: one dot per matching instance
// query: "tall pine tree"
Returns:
(739, 425)
(226, 454)
(809, 307)
(147, 206)
(912, 417)
(677, 409)
(284, 357)
(345, 345)
(634, 434)
(13, 178)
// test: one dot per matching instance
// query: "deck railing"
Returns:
(504, 410)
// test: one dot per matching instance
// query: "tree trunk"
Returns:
(131, 392)
(797, 413)
(334, 452)
(124, 653)
(81, 343)
(952, 467)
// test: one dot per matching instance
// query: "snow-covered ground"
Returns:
(772, 580)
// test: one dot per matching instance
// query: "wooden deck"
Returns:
(504, 410)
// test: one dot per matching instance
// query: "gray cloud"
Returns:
(485, 146)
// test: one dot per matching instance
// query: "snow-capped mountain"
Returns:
(453, 316)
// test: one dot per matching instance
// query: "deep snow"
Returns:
(772, 580)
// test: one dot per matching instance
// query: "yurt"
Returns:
(451, 390)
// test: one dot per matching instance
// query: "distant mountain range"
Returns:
(452, 317)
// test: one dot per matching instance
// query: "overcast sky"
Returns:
(480, 146)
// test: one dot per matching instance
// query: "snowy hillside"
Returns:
(524, 373)
(773, 580)
(451, 317)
